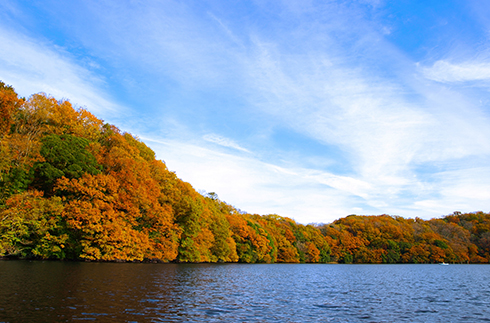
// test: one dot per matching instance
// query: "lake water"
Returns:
(119, 292)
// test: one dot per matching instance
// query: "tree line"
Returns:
(74, 187)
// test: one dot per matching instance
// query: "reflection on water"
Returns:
(110, 292)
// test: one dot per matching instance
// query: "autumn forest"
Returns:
(73, 187)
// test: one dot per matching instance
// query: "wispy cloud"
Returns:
(410, 139)
(32, 67)
(387, 133)
(343, 106)
(446, 72)
(225, 142)
(260, 187)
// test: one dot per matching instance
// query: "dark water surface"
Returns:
(112, 292)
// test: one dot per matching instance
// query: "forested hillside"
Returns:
(73, 187)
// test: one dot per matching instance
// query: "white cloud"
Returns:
(225, 142)
(259, 187)
(308, 195)
(446, 72)
(468, 188)
(389, 127)
(33, 67)
(363, 115)
(333, 78)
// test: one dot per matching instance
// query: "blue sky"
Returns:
(313, 110)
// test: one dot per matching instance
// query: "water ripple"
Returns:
(63, 292)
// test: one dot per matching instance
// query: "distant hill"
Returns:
(74, 187)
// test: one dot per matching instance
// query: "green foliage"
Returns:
(64, 155)
(74, 188)
(441, 244)
(31, 226)
(325, 255)
(347, 258)
(221, 232)
(17, 180)
(391, 257)
(246, 252)
(188, 213)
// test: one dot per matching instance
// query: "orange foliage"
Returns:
(136, 209)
